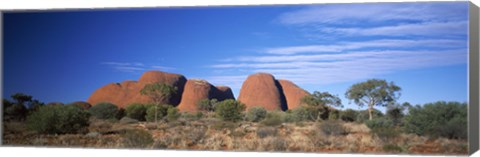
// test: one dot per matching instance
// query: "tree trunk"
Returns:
(370, 109)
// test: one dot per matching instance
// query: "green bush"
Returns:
(192, 116)
(172, 114)
(207, 105)
(379, 123)
(137, 138)
(15, 112)
(334, 115)
(332, 128)
(396, 115)
(104, 110)
(300, 114)
(229, 110)
(267, 131)
(383, 128)
(349, 115)
(273, 118)
(58, 119)
(438, 119)
(362, 115)
(136, 111)
(161, 111)
(256, 114)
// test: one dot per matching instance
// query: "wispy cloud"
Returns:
(134, 67)
(376, 39)
(384, 43)
(354, 14)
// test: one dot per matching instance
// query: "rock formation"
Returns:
(83, 104)
(293, 93)
(197, 90)
(261, 89)
(264, 90)
(128, 92)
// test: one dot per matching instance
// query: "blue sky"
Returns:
(64, 56)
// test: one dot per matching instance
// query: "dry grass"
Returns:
(212, 134)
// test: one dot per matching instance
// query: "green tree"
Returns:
(21, 98)
(159, 93)
(229, 110)
(373, 92)
(316, 104)
(173, 113)
(207, 105)
(156, 112)
(396, 112)
(136, 111)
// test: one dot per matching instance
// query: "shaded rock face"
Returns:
(261, 90)
(128, 92)
(293, 93)
(223, 93)
(83, 104)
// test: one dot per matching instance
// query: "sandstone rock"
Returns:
(128, 92)
(261, 89)
(195, 90)
(293, 93)
(83, 104)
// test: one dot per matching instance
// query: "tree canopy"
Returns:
(373, 92)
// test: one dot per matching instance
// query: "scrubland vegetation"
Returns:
(317, 126)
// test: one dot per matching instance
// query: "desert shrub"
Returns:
(161, 111)
(104, 110)
(173, 114)
(15, 112)
(300, 114)
(266, 131)
(362, 115)
(229, 110)
(273, 118)
(58, 120)
(120, 114)
(195, 135)
(333, 128)
(349, 115)
(379, 123)
(392, 148)
(220, 125)
(256, 114)
(207, 105)
(127, 120)
(136, 111)
(383, 128)
(334, 115)
(192, 116)
(395, 114)
(137, 138)
(278, 144)
(438, 119)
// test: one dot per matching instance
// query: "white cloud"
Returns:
(382, 43)
(134, 67)
(348, 66)
(418, 29)
(355, 13)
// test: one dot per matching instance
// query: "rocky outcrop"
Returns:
(197, 90)
(83, 104)
(128, 92)
(261, 90)
(293, 93)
